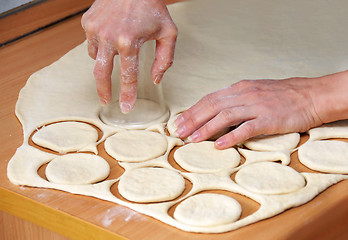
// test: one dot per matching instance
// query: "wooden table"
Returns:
(32, 213)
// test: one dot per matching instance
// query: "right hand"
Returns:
(121, 27)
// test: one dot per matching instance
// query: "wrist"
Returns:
(330, 98)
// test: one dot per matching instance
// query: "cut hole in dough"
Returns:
(66, 137)
(151, 185)
(208, 209)
(136, 145)
(203, 157)
(77, 169)
(274, 142)
(325, 156)
(269, 178)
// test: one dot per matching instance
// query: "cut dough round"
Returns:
(208, 209)
(136, 145)
(326, 156)
(274, 142)
(151, 184)
(66, 137)
(203, 157)
(77, 169)
(270, 178)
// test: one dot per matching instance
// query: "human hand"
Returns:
(253, 108)
(121, 27)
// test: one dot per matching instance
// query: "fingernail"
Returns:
(125, 108)
(220, 142)
(178, 121)
(180, 131)
(158, 79)
(194, 137)
(103, 102)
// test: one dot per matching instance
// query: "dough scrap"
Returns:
(203, 157)
(151, 185)
(136, 145)
(328, 156)
(338, 129)
(66, 137)
(77, 168)
(274, 142)
(269, 178)
(208, 209)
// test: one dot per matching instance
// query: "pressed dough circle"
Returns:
(136, 145)
(273, 142)
(65, 137)
(269, 178)
(208, 209)
(151, 184)
(77, 168)
(325, 156)
(203, 157)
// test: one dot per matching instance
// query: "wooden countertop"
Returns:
(80, 217)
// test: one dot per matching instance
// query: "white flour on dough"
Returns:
(220, 42)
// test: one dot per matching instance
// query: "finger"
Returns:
(129, 68)
(226, 118)
(92, 45)
(164, 55)
(242, 133)
(206, 109)
(102, 72)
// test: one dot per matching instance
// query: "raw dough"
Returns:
(270, 178)
(337, 129)
(77, 168)
(218, 43)
(325, 156)
(203, 157)
(208, 209)
(66, 137)
(136, 145)
(151, 185)
(274, 142)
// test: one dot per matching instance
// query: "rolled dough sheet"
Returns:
(218, 42)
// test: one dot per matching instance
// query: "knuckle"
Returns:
(244, 83)
(90, 27)
(172, 31)
(210, 102)
(226, 115)
(126, 43)
(105, 35)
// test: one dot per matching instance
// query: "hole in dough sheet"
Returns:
(116, 170)
(41, 171)
(115, 192)
(172, 162)
(44, 149)
(248, 205)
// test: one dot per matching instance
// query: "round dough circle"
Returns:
(269, 178)
(203, 157)
(77, 169)
(274, 142)
(208, 209)
(151, 185)
(66, 137)
(326, 156)
(136, 145)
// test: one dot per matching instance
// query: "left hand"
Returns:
(254, 108)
